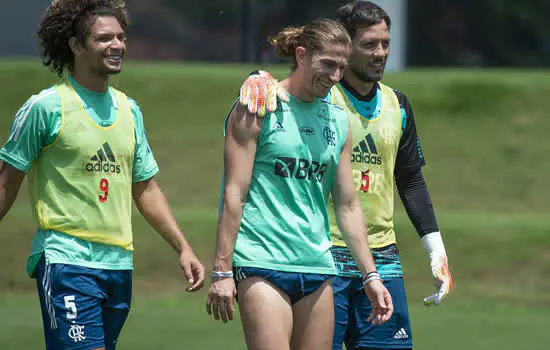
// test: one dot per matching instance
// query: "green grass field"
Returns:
(484, 138)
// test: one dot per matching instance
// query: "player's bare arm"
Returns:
(241, 138)
(152, 204)
(351, 222)
(10, 182)
(348, 211)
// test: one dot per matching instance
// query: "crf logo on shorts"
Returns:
(76, 333)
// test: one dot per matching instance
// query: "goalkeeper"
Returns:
(385, 146)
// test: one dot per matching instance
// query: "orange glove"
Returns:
(259, 93)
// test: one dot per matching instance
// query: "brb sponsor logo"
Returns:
(104, 161)
(366, 153)
(301, 169)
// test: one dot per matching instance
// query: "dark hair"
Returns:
(360, 14)
(72, 18)
(313, 37)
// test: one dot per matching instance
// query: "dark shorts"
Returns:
(82, 308)
(295, 285)
(352, 308)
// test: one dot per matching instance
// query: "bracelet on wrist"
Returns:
(371, 276)
(218, 275)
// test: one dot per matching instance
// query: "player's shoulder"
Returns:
(131, 102)
(401, 97)
(335, 112)
(136, 113)
(135, 110)
(327, 102)
(134, 107)
(47, 100)
(44, 105)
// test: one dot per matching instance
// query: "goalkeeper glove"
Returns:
(433, 243)
(259, 93)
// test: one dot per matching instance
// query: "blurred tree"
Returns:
(439, 32)
(479, 32)
(517, 32)
(207, 11)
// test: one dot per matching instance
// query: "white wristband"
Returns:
(371, 276)
(433, 243)
(217, 275)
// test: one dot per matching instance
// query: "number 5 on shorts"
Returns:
(104, 187)
(71, 306)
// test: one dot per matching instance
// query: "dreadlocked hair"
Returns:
(65, 19)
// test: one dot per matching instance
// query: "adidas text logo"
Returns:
(103, 161)
(366, 153)
(401, 334)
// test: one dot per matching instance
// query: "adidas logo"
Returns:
(103, 161)
(278, 126)
(401, 334)
(366, 152)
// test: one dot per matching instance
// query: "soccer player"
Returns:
(83, 145)
(273, 228)
(385, 147)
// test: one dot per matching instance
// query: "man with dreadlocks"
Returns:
(83, 145)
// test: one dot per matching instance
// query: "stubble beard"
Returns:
(106, 72)
(366, 77)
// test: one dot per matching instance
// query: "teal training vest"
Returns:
(285, 224)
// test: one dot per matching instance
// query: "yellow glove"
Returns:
(433, 243)
(259, 93)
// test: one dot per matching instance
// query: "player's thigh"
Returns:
(48, 317)
(71, 304)
(266, 314)
(341, 293)
(394, 334)
(314, 319)
(117, 306)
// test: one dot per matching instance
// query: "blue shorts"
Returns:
(82, 308)
(352, 308)
(295, 285)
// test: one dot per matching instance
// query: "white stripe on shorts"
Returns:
(47, 289)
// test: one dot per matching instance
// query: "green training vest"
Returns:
(374, 150)
(81, 184)
(285, 222)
